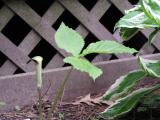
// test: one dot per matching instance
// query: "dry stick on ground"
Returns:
(58, 94)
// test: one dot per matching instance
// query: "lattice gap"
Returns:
(133, 2)
(17, 29)
(45, 50)
(111, 17)
(41, 6)
(1, 4)
(88, 4)
(68, 19)
(90, 39)
(137, 41)
(3, 58)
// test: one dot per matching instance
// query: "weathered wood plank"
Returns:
(5, 15)
(29, 42)
(23, 87)
(8, 68)
(53, 13)
(56, 62)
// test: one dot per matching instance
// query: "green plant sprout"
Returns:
(143, 16)
(72, 42)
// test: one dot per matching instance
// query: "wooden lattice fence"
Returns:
(27, 29)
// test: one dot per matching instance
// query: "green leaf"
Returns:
(124, 84)
(152, 9)
(152, 67)
(153, 35)
(124, 105)
(107, 47)
(84, 66)
(135, 19)
(128, 33)
(69, 40)
(136, 8)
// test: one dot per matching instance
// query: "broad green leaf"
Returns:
(124, 105)
(135, 19)
(152, 36)
(124, 84)
(84, 66)
(107, 47)
(128, 33)
(152, 9)
(69, 40)
(152, 67)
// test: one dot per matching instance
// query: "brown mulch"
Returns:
(82, 111)
(63, 112)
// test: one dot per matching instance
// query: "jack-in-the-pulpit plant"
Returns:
(38, 60)
(73, 43)
(143, 16)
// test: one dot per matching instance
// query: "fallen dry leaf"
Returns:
(91, 101)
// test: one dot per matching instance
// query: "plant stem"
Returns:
(58, 94)
(40, 110)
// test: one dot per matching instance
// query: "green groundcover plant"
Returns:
(72, 42)
(145, 15)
